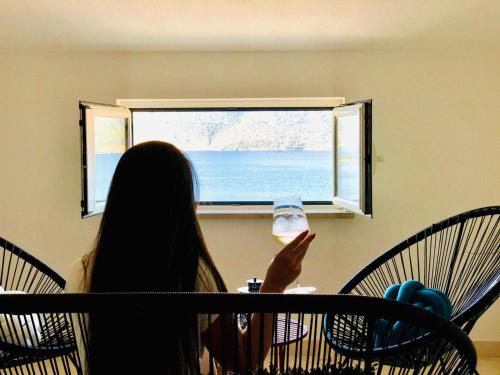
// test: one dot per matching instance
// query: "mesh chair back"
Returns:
(460, 256)
(22, 272)
(301, 330)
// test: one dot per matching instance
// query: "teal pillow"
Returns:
(413, 292)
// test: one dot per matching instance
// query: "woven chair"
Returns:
(21, 272)
(459, 256)
(152, 317)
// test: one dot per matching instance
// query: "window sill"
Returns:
(267, 211)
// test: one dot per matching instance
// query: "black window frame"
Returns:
(365, 127)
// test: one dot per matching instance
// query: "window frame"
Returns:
(362, 110)
(88, 112)
(253, 208)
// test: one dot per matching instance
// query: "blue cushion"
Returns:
(415, 293)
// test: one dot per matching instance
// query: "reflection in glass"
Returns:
(348, 171)
(110, 144)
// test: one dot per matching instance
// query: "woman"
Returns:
(150, 240)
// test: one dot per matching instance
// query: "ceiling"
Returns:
(246, 25)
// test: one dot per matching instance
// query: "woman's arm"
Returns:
(285, 267)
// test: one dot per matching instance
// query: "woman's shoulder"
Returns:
(205, 281)
(75, 282)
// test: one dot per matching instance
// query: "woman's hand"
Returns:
(287, 264)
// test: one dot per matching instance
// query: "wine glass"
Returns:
(289, 220)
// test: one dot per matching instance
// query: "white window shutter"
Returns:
(103, 129)
(352, 154)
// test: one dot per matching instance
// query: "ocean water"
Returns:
(263, 175)
(232, 176)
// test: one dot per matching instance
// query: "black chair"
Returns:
(452, 351)
(459, 256)
(21, 272)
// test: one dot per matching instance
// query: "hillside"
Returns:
(237, 130)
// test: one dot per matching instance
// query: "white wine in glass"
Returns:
(289, 220)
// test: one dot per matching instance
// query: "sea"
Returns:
(246, 176)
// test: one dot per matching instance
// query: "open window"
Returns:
(352, 157)
(105, 136)
(246, 152)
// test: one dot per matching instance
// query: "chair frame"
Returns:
(21, 271)
(490, 283)
(456, 352)
(52, 282)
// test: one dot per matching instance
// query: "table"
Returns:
(288, 330)
(304, 290)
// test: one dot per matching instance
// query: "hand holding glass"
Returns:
(289, 220)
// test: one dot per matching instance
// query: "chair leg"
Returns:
(281, 356)
(468, 327)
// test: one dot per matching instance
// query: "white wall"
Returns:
(435, 119)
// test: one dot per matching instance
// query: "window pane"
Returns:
(348, 158)
(249, 155)
(110, 144)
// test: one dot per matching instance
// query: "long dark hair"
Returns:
(149, 240)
